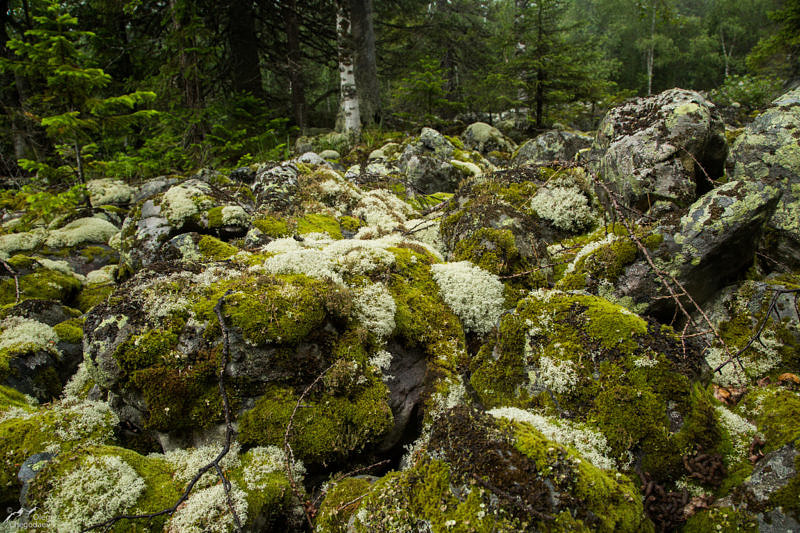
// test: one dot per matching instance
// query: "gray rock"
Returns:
(769, 149)
(28, 471)
(311, 158)
(485, 138)
(663, 147)
(772, 472)
(426, 163)
(710, 247)
(551, 146)
(276, 186)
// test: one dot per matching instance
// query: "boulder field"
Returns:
(454, 333)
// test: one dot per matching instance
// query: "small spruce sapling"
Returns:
(69, 106)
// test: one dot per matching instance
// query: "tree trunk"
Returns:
(349, 120)
(369, 95)
(294, 60)
(243, 42)
(651, 50)
(540, 73)
(188, 65)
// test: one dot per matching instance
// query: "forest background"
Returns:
(135, 88)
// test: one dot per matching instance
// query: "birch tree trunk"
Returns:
(349, 119)
(651, 51)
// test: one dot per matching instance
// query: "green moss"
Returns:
(214, 217)
(422, 319)
(351, 224)
(13, 398)
(93, 295)
(326, 428)
(494, 250)
(98, 253)
(613, 501)
(339, 504)
(42, 284)
(721, 519)
(267, 309)
(70, 331)
(318, 223)
(777, 415)
(455, 141)
(214, 249)
(148, 349)
(272, 227)
(606, 263)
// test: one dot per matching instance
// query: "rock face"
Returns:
(663, 148)
(426, 163)
(555, 145)
(769, 150)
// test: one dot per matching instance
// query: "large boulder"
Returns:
(427, 166)
(485, 139)
(661, 150)
(769, 149)
(554, 145)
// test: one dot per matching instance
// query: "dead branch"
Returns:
(215, 464)
(757, 337)
(16, 278)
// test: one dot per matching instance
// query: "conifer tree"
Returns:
(70, 106)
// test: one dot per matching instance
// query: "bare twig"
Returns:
(757, 337)
(14, 273)
(347, 475)
(215, 464)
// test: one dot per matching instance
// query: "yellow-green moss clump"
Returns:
(272, 227)
(38, 282)
(339, 504)
(583, 355)
(215, 249)
(319, 223)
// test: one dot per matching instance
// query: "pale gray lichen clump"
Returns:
(474, 295)
(566, 207)
(83, 230)
(99, 489)
(20, 333)
(206, 511)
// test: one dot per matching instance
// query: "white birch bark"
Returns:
(349, 120)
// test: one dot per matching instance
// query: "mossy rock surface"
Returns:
(478, 474)
(581, 356)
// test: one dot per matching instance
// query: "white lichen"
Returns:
(263, 461)
(566, 208)
(207, 511)
(21, 242)
(375, 309)
(741, 431)
(188, 461)
(474, 295)
(592, 445)
(234, 215)
(185, 200)
(109, 192)
(96, 490)
(559, 376)
(24, 334)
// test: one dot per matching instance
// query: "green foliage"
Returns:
(421, 95)
(42, 205)
(752, 92)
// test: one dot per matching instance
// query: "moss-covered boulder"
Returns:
(58, 428)
(581, 357)
(504, 223)
(662, 148)
(85, 487)
(475, 473)
(486, 139)
(354, 312)
(219, 208)
(768, 151)
(109, 191)
(34, 359)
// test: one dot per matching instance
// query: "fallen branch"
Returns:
(757, 337)
(215, 464)
(13, 272)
